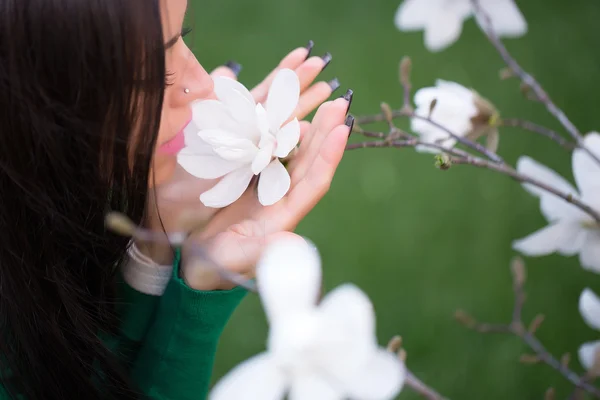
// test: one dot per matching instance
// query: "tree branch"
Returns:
(368, 119)
(517, 327)
(529, 80)
(460, 157)
(541, 130)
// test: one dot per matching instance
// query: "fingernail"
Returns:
(309, 47)
(326, 59)
(334, 84)
(233, 66)
(348, 97)
(349, 122)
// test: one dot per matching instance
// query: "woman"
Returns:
(93, 96)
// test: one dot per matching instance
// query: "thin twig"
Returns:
(412, 142)
(367, 119)
(421, 388)
(517, 327)
(507, 170)
(461, 157)
(395, 346)
(529, 80)
(541, 130)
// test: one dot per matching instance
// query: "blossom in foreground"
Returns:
(442, 19)
(237, 139)
(589, 308)
(325, 351)
(453, 109)
(570, 230)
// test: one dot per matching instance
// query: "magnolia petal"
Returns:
(241, 155)
(351, 308)
(443, 29)
(262, 159)
(589, 308)
(590, 251)
(588, 354)
(262, 120)
(585, 169)
(283, 97)
(209, 114)
(255, 378)
(455, 88)
(553, 208)
(224, 85)
(287, 138)
(314, 387)
(347, 322)
(205, 166)
(566, 238)
(221, 137)
(288, 276)
(237, 100)
(273, 184)
(381, 378)
(506, 18)
(229, 189)
(423, 98)
(412, 15)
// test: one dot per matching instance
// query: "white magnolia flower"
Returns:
(589, 308)
(238, 139)
(442, 19)
(570, 231)
(326, 351)
(454, 108)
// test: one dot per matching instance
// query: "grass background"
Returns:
(423, 242)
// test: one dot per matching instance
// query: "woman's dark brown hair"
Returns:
(81, 89)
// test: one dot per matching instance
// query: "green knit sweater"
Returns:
(169, 342)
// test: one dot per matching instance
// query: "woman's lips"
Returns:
(174, 145)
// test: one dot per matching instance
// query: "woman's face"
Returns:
(187, 81)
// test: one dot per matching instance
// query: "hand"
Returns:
(177, 202)
(238, 246)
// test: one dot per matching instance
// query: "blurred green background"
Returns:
(419, 241)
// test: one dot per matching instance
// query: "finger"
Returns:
(292, 61)
(304, 127)
(315, 96)
(312, 187)
(328, 116)
(309, 70)
(230, 69)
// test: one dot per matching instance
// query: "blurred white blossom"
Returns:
(454, 108)
(589, 307)
(570, 231)
(325, 351)
(442, 19)
(236, 139)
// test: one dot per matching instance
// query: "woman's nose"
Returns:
(196, 84)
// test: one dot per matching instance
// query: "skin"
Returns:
(235, 236)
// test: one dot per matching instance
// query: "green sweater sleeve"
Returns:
(175, 358)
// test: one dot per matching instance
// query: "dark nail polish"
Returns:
(326, 59)
(334, 84)
(348, 97)
(349, 122)
(235, 67)
(309, 47)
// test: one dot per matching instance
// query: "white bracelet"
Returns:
(145, 275)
